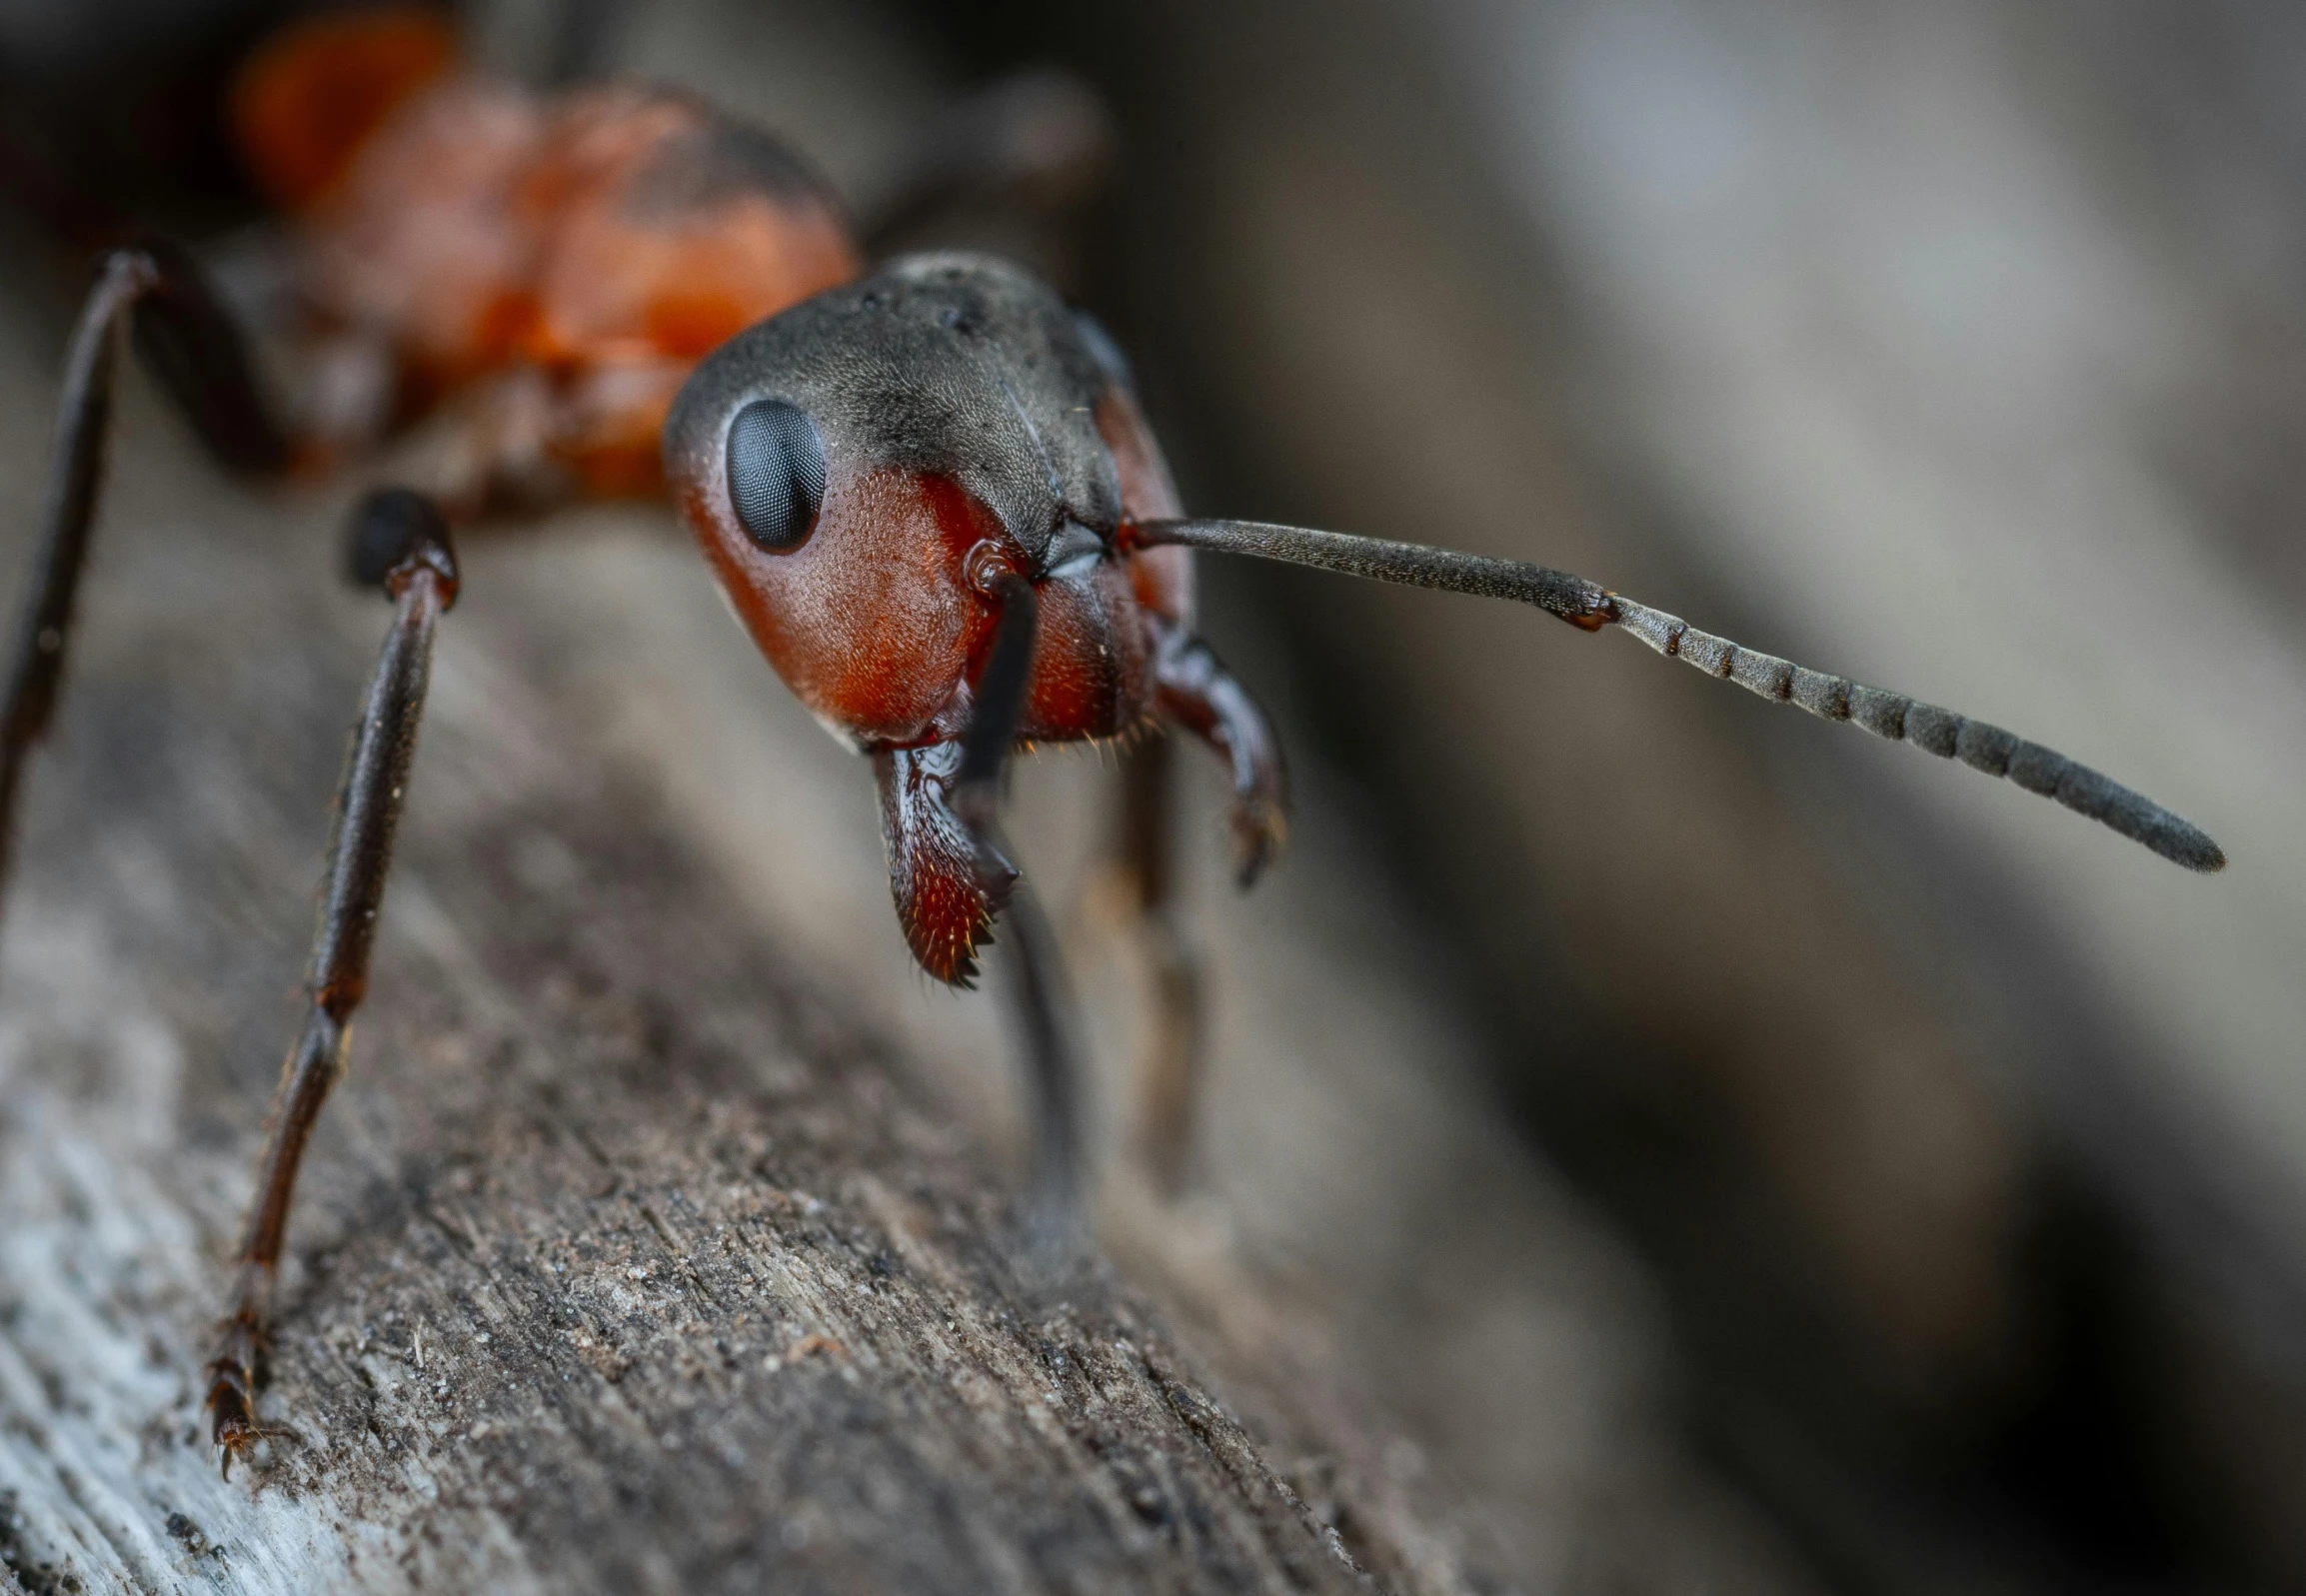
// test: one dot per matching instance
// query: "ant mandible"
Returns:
(929, 494)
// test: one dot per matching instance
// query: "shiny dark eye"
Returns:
(776, 472)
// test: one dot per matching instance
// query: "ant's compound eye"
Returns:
(776, 472)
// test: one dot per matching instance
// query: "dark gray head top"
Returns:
(952, 364)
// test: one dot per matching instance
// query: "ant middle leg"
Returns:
(1198, 692)
(1169, 1074)
(192, 349)
(400, 540)
(1194, 690)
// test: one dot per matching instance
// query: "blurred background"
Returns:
(1940, 1157)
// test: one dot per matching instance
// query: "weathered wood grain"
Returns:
(628, 1259)
(629, 1262)
(652, 1243)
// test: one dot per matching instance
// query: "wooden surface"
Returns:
(627, 1261)
(657, 1238)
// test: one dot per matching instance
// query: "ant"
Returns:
(929, 494)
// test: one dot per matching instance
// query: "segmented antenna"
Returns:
(1930, 729)
(1589, 606)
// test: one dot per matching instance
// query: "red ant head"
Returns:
(860, 467)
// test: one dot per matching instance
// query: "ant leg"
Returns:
(1040, 137)
(1036, 974)
(192, 348)
(950, 871)
(400, 541)
(1193, 688)
(1170, 1073)
(1589, 606)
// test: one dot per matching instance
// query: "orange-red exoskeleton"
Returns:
(557, 264)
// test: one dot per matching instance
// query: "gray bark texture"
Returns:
(657, 1237)
(629, 1262)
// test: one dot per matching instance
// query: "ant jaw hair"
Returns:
(1589, 606)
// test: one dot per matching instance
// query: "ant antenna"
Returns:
(1589, 606)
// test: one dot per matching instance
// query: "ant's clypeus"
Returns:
(929, 494)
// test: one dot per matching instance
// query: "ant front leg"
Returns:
(1169, 1074)
(399, 542)
(1194, 690)
(197, 354)
(950, 868)
(1035, 975)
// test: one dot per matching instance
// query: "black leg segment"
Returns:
(198, 357)
(421, 581)
(1196, 692)
(950, 871)
(1035, 972)
(1169, 1068)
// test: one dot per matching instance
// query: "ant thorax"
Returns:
(466, 232)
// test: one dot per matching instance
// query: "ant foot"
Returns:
(1260, 830)
(233, 1429)
(1053, 1230)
